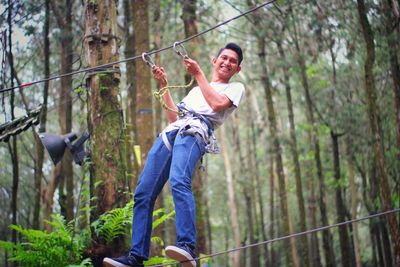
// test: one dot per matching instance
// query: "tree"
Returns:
(374, 124)
(144, 109)
(105, 116)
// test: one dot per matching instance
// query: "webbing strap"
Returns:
(166, 141)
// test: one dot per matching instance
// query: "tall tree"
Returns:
(392, 46)
(63, 12)
(374, 124)
(12, 146)
(144, 109)
(107, 170)
(39, 150)
(296, 161)
(277, 150)
(314, 141)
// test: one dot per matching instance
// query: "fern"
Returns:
(39, 248)
(113, 223)
(116, 222)
(163, 218)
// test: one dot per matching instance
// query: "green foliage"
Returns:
(38, 248)
(113, 223)
(157, 260)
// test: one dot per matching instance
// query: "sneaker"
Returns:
(184, 254)
(123, 261)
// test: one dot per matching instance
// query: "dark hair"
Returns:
(234, 47)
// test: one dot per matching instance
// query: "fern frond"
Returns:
(162, 219)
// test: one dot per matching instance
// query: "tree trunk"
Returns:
(374, 124)
(48, 195)
(274, 259)
(392, 38)
(144, 109)
(345, 246)
(12, 145)
(64, 20)
(312, 206)
(39, 150)
(277, 151)
(295, 155)
(353, 194)
(107, 170)
(132, 164)
(231, 196)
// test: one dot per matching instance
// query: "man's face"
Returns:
(226, 64)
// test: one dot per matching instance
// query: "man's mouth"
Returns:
(224, 68)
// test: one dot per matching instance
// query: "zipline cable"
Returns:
(138, 56)
(291, 236)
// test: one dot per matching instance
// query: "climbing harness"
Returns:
(211, 145)
(180, 51)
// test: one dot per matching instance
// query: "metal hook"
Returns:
(182, 53)
(147, 59)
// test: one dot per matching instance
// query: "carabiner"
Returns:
(147, 59)
(182, 53)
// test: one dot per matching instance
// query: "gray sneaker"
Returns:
(184, 254)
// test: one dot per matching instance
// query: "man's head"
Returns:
(234, 47)
(227, 63)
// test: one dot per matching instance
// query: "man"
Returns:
(176, 152)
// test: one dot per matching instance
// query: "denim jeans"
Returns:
(177, 165)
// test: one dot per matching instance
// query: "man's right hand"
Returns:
(160, 75)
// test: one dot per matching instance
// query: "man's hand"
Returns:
(160, 75)
(192, 67)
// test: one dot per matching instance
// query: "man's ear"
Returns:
(239, 69)
(213, 60)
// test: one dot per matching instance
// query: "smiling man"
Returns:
(176, 152)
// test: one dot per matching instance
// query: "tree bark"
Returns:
(231, 196)
(144, 109)
(39, 150)
(63, 16)
(374, 124)
(107, 170)
(345, 247)
(12, 145)
(132, 164)
(353, 192)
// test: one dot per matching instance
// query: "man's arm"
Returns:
(218, 102)
(160, 75)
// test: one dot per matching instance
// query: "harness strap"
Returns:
(211, 145)
(166, 141)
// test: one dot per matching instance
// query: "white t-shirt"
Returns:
(196, 102)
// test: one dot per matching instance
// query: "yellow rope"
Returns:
(160, 93)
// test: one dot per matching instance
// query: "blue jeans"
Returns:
(177, 165)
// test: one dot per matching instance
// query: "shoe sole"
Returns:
(180, 255)
(108, 262)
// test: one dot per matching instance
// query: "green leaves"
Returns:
(39, 248)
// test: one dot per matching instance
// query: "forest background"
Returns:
(316, 141)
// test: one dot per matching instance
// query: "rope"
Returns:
(291, 235)
(160, 93)
(139, 56)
